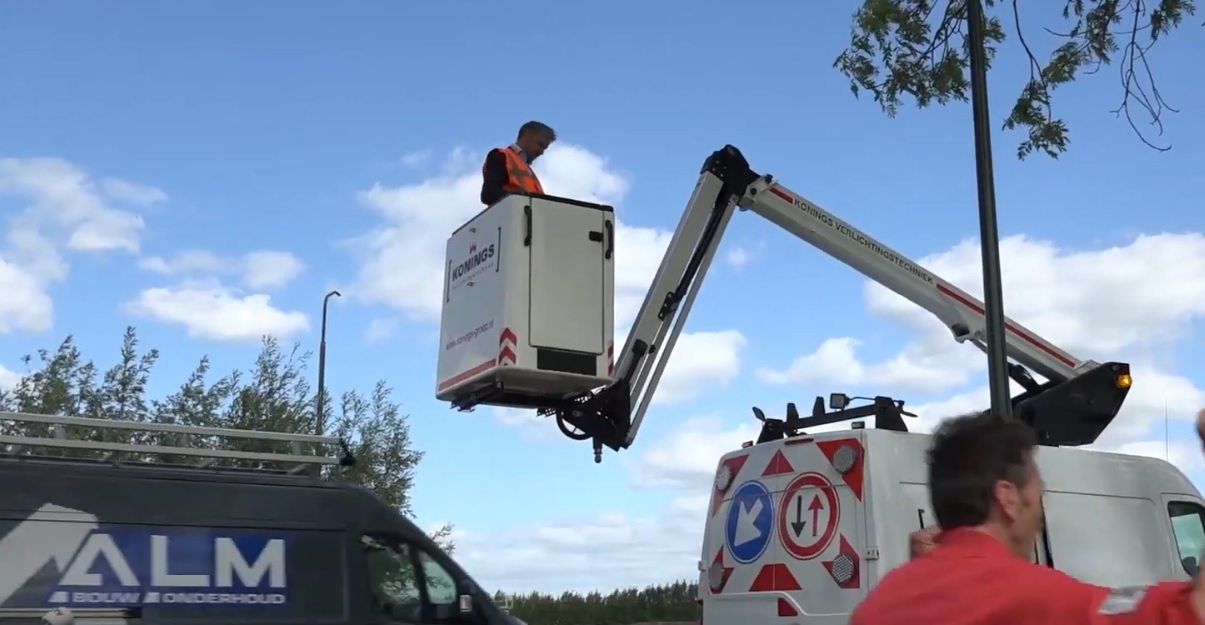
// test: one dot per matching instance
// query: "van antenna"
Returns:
(1167, 439)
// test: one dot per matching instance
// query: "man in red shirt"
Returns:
(978, 570)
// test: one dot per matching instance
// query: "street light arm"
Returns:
(320, 408)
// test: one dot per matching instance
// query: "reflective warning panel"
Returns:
(750, 522)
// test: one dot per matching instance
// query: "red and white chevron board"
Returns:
(507, 342)
(611, 360)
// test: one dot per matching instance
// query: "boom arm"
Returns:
(1088, 394)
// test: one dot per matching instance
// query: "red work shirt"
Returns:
(971, 578)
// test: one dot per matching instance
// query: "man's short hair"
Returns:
(968, 456)
(537, 128)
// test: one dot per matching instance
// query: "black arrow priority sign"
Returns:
(815, 507)
(798, 524)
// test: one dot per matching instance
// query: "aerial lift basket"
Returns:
(528, 304)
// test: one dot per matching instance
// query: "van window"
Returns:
(1076, 521)
(441, 586)
(407, 584)
(1188, 525)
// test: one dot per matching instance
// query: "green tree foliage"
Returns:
(273, 394)
(918, 49)
(669, 603)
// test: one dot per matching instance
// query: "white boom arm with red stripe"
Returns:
(726, 184)
(963, 314)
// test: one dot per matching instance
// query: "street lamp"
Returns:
(989, 237)
(321, 408)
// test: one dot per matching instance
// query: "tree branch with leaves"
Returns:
(919, 50)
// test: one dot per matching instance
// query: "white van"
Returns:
(800, 528)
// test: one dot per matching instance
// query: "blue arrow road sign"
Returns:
(750, 522)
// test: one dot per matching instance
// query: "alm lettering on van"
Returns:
(231, 573)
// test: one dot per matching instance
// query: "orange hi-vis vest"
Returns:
(519, 176)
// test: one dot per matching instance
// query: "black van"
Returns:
(195, 544)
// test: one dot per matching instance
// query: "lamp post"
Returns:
(989, 237)
(321, 407)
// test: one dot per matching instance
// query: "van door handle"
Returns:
(527, 226)
(610, 227)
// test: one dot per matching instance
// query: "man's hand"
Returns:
(923, 541)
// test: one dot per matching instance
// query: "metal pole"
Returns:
(993, 296)
(321, 408)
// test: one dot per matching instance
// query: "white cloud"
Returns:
(416, 159)
(1094, 302)
(211, 311)
(184, 262)
(63, 196)
(267, 270)
(61, 206)
(613, 549)
(931, 413)
(532, 427)
(380, 329)
(8, 379)
(921, 367)
(738, 257)
(25, 306)
(131, 193)
(687, 457)
(638, 254)
(701, 361)
(260, 270)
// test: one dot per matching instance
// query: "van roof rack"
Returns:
(888, 415)
(306, 450)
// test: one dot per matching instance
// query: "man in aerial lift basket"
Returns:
(508, 170)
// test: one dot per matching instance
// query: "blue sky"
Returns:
(264, 130)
